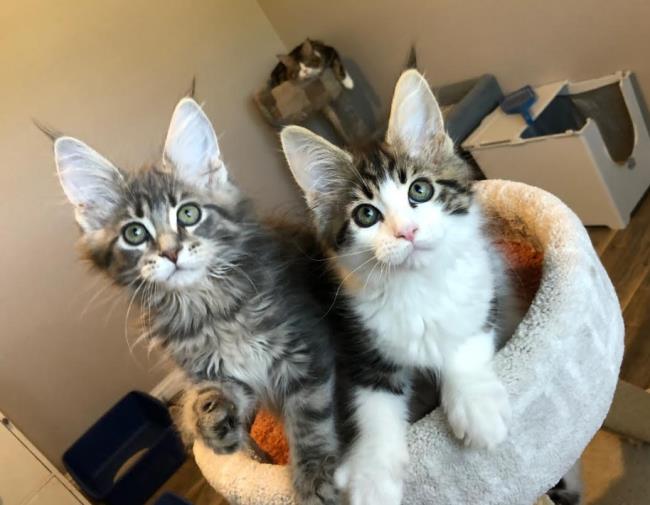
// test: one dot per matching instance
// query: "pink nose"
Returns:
(407, 233)
(170, 254)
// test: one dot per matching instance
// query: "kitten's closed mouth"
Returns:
(411, 259)
(179, 270)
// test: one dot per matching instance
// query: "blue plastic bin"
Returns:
(137, 423)
(171, 499)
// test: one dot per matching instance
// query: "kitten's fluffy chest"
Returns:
(232, 343)
(241, 353)
(421, 316)
(228, 349)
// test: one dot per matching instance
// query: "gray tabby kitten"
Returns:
(226, 297)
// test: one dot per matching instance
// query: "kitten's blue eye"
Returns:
(189, 214)
(420, 191)
(135, 233)
(365, 215)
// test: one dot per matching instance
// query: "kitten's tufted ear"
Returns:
(415, 123)
(92, 183)
(191, 148)
(316, 164)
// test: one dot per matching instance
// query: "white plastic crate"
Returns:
(589, 145)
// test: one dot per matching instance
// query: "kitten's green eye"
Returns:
(189, 214)
(366, 215)
(135, 233)
(420, 191)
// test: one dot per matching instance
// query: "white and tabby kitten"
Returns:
(407, 239)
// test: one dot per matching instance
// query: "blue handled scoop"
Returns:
(520, 102)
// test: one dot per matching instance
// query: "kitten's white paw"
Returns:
(478, 412)
(374, 483)
(342, 476)
(375, 488)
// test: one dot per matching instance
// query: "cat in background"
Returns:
(407, 238)
(224, 296)
(569, 489)
(309, 59)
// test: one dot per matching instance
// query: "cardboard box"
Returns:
(588, 145)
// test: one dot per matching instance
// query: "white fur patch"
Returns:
(474, 399)
(306, 72)
(347, 82)
(429, 310)
(373, 470)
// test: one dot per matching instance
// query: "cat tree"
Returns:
(560, 369)
(294, 101)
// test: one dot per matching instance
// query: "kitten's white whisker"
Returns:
(96, 280)
(346, 255)
(92, 299)
(148, 325)
(365, 286)
(338, 290)
(116, 300)
(126, 319)
(231, 266)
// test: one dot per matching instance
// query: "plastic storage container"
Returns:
(464, 105)
(128, 453)
(588, 145)
(171, 499)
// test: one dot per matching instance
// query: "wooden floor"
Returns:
(626, 257)
(188, 483)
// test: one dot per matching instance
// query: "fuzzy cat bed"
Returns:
(560, 369)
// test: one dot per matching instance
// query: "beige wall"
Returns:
(110, 73)
(520, 41)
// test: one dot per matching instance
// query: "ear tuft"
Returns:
(191, 147)
(415, 117)
(192, 89)
(48, 131)
(90, 182)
